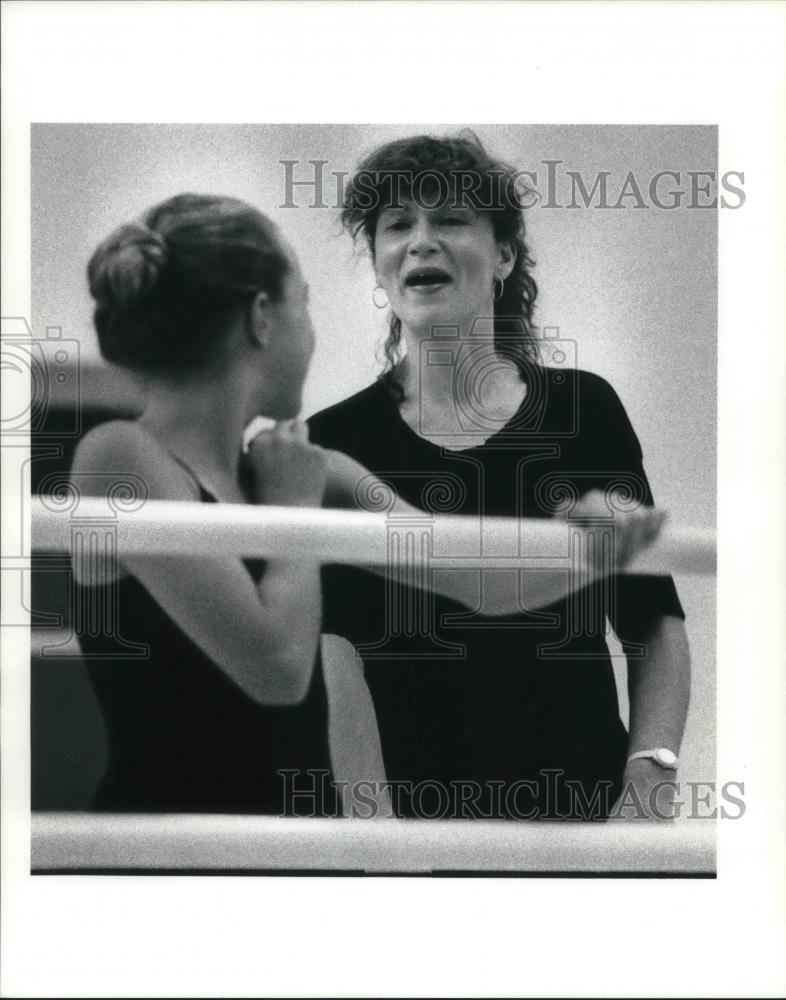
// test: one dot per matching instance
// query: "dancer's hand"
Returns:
(288, 470)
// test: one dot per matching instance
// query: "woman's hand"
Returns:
(288, 470)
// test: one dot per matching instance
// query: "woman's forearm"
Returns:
(659, 687)
(659, 692)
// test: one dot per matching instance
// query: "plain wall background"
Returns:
(636, 289)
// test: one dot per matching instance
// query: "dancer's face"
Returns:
(438, 265)
(290, 346)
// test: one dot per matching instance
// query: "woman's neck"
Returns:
(448, 369)
(460, 393)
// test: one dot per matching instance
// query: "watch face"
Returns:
(666, 758)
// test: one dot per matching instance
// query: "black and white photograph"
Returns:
(463, 350)
(370, 526)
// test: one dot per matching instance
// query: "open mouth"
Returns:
(426, 278)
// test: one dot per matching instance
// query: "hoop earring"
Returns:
(501, 289)
(383, 305)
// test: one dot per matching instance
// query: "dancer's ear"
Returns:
(258, 320)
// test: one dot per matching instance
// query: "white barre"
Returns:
(95, 841)
(195, 529)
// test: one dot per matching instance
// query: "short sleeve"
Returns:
(639, 600)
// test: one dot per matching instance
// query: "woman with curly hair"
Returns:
(483, 714)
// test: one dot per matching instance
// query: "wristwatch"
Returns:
(661, 755)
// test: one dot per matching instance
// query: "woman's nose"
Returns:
(423, 238)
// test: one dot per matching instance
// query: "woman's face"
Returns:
(437, 265)
(291, 345)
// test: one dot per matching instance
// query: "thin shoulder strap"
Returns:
(204, 493)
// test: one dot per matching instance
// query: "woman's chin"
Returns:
(425, 316)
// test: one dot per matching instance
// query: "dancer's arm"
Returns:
(503, 593)
(264, 637)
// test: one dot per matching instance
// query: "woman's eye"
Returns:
(454, 220)
(398, 225)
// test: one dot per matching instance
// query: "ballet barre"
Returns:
(96, 842)
(156, 527)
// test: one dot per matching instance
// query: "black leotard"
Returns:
(183, 737)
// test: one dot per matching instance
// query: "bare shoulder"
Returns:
(124, 448)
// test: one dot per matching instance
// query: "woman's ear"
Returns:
(258, 320)
(506, 260)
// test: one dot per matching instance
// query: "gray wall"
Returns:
(635, 288)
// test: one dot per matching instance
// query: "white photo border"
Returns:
(708, 63)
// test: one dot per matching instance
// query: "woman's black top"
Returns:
(182, 736)
(506, 709)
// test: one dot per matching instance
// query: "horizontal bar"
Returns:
(174, 528)
(95, 841)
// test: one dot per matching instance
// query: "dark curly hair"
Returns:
(462, 168)
(165, 286)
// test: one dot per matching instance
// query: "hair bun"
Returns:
(126, 267)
